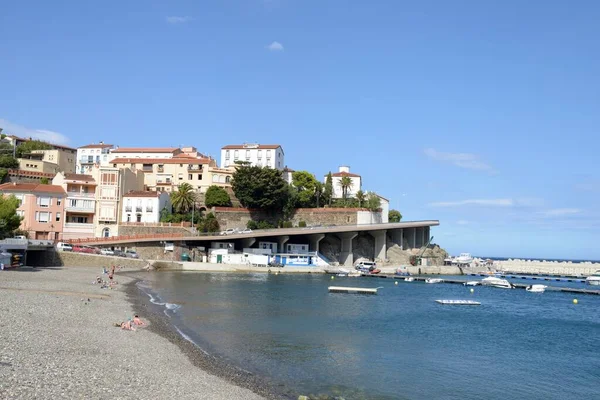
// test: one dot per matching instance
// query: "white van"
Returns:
(61, 246)
(365, 265)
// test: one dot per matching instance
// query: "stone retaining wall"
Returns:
(52, 258)
(145, 230)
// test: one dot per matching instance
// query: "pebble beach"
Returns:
(58, 340)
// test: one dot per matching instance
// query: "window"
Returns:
(128, 217)
(235, 155)
(42, 216)
(227, 179)
(227, 154)
(20, 213)
(259, 154)
(43, 201)
(180, 176)
(215, 178)
(58, 217)
(190, 177)
(268, 153)
(79, 220)
(199, 177)
(58, 201)
(139, 218)
(247, 154)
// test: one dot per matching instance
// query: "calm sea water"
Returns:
(398, 344)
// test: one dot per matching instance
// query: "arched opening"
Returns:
(227, 179)
(106, 232)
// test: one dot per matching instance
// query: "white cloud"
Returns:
(46, 135)
(462, 222)
(275, 46)
(560, 212)
(475, 202)
(178, 20)
(462, 160)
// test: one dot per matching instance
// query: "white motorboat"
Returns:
(536, 288)
(593, 279)
(496, 282)
(433, 280)
(472, 283)
(463, 259)
(459, 302)
(409, 279)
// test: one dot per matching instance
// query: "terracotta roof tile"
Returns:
(146, 150)
(139, 193)
(31, 188)
(160, 161)
(79, 177)
(348, 174)
(96, 146)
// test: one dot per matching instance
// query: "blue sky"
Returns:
(481, 114)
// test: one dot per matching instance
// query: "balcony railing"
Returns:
(149, 209)
(85, 209)
(164, 182)
(127, 208)
(138, 209)
(81, 194)
(78, 226)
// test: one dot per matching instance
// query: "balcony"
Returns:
(80, 208)
(138, 209)
(75, 226)
(149, 209)
(86, 161)
(164, 182)
(127, 208)
(192, 167)
(81, 194)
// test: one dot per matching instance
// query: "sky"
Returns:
(483, 115)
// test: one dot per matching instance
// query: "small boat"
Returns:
(352, 290)
(341, 274)
(402, 272)
(409, 279)
(459, 302)
(593, 279)
(496, 282)
(433, 280)
(463, 259)
(536, 288)
(472, 283)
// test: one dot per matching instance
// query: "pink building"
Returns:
(80, 205)
(42, 208)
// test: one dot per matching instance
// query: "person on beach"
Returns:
(125, 326)
(138, 321)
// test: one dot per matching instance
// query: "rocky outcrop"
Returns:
(330, 247)
(434, 254)
(363, 247)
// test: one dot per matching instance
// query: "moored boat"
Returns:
(472, 283)
(593, 279)
(433, 280)
(459, 302)
(536, 288)
(409, 279)
(496, 282)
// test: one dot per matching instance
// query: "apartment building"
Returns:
(92, 154)
(80, 204)
(261, 155)
(166, 174)
(41, 207)
(144, 206)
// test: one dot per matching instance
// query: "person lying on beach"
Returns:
(125, 326)
(138, 321)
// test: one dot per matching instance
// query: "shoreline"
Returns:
(59, 340)
(161, 325)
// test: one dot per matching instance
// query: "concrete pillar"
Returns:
(248, 242)
(427, 233)
(281, 241)
(413, 238)
(398, 237)
(315, 240)
(380, 244)
(346, 257)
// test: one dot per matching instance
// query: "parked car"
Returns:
(229, 231)
(62, 246)
(107, 252)
(247, 230)
(119, 253)
(90, 250)
(131, 254)
(20, 237)
(78, 249)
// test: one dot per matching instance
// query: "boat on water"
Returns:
(472, 283)
(536, 288)
(409, 279)
(433, 280)
(459, 302)
(496, 282)
(593, 279)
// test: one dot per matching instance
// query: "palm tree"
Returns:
(360, 197)
(184, 198)
(345, 183)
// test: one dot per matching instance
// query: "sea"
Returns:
(398, 344)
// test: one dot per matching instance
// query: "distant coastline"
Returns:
(574, 261)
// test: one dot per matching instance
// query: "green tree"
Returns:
(31, 145)
(306, 185)
(184, 198)
(328, 189)
(9, 220)
(44, 181)
(394, 216)
(345, 183)
(360, 198)
(165, 215)
(209, 223)
(291, 202)
(8, 161)
(260, 188)
(217, 197)
(373, 201)
(319, 193)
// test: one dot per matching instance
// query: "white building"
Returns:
(90, 155)
(144, 152)
(260, 155)
(144, 206)
(355, 186)
(287, 175)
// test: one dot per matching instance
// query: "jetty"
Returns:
(354, 290)
(462, 281)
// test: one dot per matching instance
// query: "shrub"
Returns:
(264, 225)
(287, 224)
(252, 224)
(302, 224)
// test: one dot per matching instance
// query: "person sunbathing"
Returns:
(125, 325)
(138, 321)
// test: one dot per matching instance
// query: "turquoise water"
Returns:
(399, 344)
